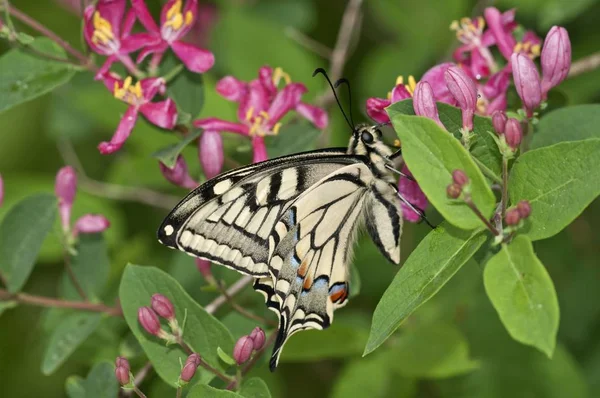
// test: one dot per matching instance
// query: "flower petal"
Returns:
(497, 104)
(411, 191)
(259, 150)
(435, 78)
(163, 113)
(400, 93)
(285, 100)
(424, 102)
(255, 100)
(152, 86)
(376, 109)
(497, 23)
(314, 114)
(104, 69)
(91, 224)
(527, 81)
(195, 59)
(215, 124)
(128, 23)
(265, 76)
(178, 175)
(123, 131)
(159, 48)
(144, 16)
(231, 88)
(113, 11)
(136, 41)
(88, 26)
(210, 152)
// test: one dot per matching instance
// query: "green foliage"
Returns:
(69, 334)
(573, 123)
(203, 333)
(90, 265)
(293, 138)
(437, 258)
(186, 89)
(168, 155)
(523, 294)
(26, 76)
(99, 383)
(205, 391)
(255, 388)
(432, 155)
(22, 233)
(559, 181)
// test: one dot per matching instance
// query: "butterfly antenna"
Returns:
(345, 81)
(322, 71)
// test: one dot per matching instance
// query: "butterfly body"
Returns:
(290, 222)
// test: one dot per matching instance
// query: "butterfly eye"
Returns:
(366, 137)
(379, 133)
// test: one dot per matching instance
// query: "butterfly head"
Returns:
(368, 141)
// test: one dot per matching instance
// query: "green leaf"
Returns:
(432, 154)
(431, 350)
(187, 90)
(293, 138)
(255, 388)
(26, 76)
(354, 281)
(573, 123)
(68, 335)
(339, 341)
(437, 258)
(6, 305)
(225, 357)
(22, 233)
(168, 155)
(100, 383)
(90, 265)
(523, 295)
(559, 182)
(206, 391)
(203, 332)
(483, 147)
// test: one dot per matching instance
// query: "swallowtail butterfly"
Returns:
(291, 223)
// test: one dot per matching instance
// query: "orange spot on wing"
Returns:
(339, 295)
(302, 269)
(307, 283)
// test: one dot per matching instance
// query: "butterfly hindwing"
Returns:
(228, 219)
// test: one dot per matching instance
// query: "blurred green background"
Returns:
(399, 37)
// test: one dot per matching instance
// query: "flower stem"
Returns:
(41, 301)
(241, 310)
(475, 210)
(138, 392)
(504, 185)
(486, 171)
(173, 73)
(179, 392)
(203, 363)
(73, 277)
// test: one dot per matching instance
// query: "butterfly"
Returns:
(291, 223)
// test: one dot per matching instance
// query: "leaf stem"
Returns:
(51, 302)
(504, 185)
(172, 74)
(241, 310)
(475, 210)
(139, 392)
(179, 392)
(73, 277)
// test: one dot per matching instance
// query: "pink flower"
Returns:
(527, 81)
(463, 89)
(411, 191)
(513, 133)
(65, 189)
(178, 175)
(258, 337)
(91, 224)
(401, 91)
(424, 103)
(499, 119)
(474, 54)
(149, 320)
(176, 20)
(189, 369)
(262, 105)
(243, 349)
(138, 96)
(107, 28)
(204, 267)
(493, 93)
(556, 58)
(210, 152)
(500, 30)
(163, 306)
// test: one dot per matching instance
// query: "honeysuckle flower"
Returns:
(411, 191)
(524, 208)
(189, 369)
(492, 94)
(513, 133)
(149, 321)
(512, 216)
(474, 54)
(424, 103)
(139, 97)
(401, 91)
(243, 349)
(122, 371)
(527, 81)
(107, 29)
(463, 89)
(262, 105)
(90, 224)
(556, 58)
(258, 337)
(176, 20)
(501, 26)
(499, 119)
(210, 152)
(530, 45)
(178, 175)
(460, 178)
(163, 306)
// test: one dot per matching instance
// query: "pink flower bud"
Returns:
(527, 81)
(91, 224)
(512, 216)
(65, 189)
(424, 102)
(178, 175)
(513, 133)
(453, 191)
(556, 58)
(243, 349)
(163, 306)
(258, 337)
(189, 369)
(122, 362)
(210, 151)
(204, 267)
(499, 121)
(460, 178)
(122, 375)
(1, 191)
(463, 89)
(524, 209)
(149, 320)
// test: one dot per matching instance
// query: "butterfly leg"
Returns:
(417, 210)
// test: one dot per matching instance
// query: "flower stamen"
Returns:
(175, 19)
(103, 32)
(130, 93)
(278, 74)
